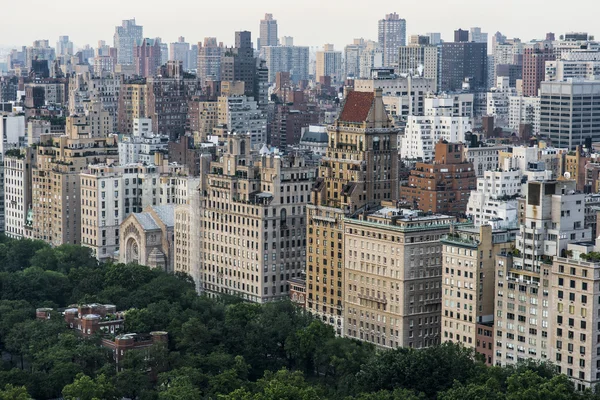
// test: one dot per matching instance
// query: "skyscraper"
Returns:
(392, 35)
(534, 66)
(239, 64)
(329, 63)
(209, 60)
(475, 35)
(64, 47)
(268, 32)
(462, 60)
(126, 38)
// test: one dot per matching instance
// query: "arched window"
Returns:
(283, 216)
(243, 147)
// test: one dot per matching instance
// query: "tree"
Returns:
(179, 388)
(280, 385)
(11, 392)
(305, 344)
(398, 394)
(86, 388)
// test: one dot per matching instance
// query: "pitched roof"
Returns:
(146, 221)
(357, 106)
(166, 214)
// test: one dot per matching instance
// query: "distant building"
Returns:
(534, 66)
(126, 38)
(391, 35)
(329, 63)
(268, 32)
(442, 185)
(462, 60)
(147, 57)
(209, 60)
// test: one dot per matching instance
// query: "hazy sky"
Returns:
(310, 22)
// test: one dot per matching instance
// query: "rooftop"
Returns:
(357, 106)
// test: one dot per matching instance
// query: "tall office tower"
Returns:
(17, 190)
(64, 47)
(56, 176)
(239, 64)
(534, 66)
(179, 51)
(497, 38)
(419, 60)
(552, 216)
(360, 169)
(147, 57)
(292, 59)
(268, 32)
(460, 35)
(462, 60)
(126, 37)
(435, 38)
(396, 301)
(447, 189)
(468, 285)
(209, 60)
(475, 35)
(569, 112)
(391, 35)
(252, 221)
(329, 63)
(352, 53)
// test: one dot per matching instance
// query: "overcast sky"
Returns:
(310, 22)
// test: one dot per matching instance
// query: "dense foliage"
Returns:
(217, 349)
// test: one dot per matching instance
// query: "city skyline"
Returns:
(193, 22)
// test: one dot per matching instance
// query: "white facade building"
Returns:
(484, 158)
(439, 122)
(524, 110)
(142, 144)
(17, 191)
(498, 103)
(242, 115)
(495, 197)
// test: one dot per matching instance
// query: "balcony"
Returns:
(460, 240)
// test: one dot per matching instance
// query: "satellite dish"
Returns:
(567, 175)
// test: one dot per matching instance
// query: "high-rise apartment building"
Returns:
(352, 55)
(147, 57)
(419, 59)
(468, 285)
(475, 35)
(524, 110)
(142, 144)
(569, 112)
(126, 38)
(442, 185)
(239, 64)
(360, 168)
(575, 64)
(17, 190)
(252, 222)
(392, 273)
(444, 118)
(64, 47)
(371, 58)
(462, 60)
(180, 51)
(534, 66)
(391, 35)
(241, 114)
(329, 63)
(268, 32)
(495, 197)
(132, 104)
(552, 216)
(56, 185)
(292, 59)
